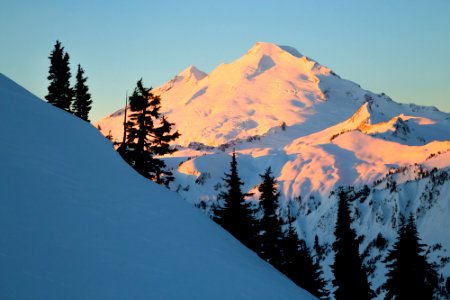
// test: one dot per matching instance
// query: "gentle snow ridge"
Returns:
(76, 222)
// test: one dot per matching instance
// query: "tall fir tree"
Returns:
(81, 105)
(409, 274)
(148, 134)
(233, 213)
(299, 265)
(350, 278)
(318, 248)
(59, 90)
(270, 233)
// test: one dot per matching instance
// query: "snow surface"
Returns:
(76, 222)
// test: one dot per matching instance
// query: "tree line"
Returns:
(276, 240)
(265, 234)
(76, 99)
(147, 133)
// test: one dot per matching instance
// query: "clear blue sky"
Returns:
(398, 47)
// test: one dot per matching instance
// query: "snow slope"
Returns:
(76, 222)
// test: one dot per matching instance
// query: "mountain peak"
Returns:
(264, 56)
(267, 86)
(270, 49)
(191, 72)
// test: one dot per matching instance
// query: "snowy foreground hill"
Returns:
(317, 132)
(76, 222)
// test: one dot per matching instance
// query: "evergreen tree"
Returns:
(82, 101)
(59, 90)
(350, 277)
(299, 266)
(318, 248)
(148, 134)
(270, 224)
(233, 213)
(409, 275)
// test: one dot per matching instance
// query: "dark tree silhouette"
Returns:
(350, 279)
(447, 286)
(270, 234)
(82, 101)
(59, 90)
(148, 135)
(232, 212)
(299, 266)
(320, 251)
(409, 275)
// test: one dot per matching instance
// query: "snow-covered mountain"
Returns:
(281, 109)
(269, 86)
(317, 131)
(76, 222)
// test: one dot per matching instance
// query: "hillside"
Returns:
(76, 222)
